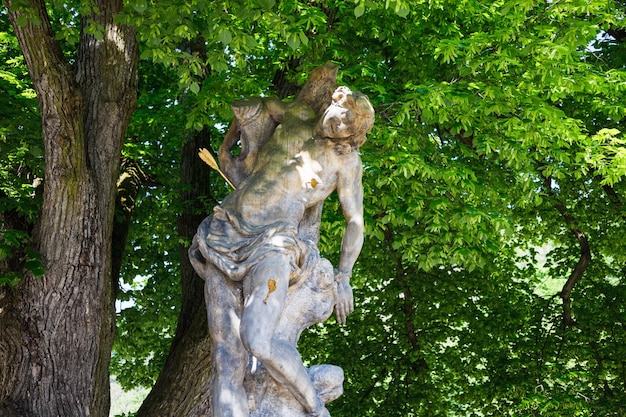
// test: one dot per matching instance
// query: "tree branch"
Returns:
(132, 178)
(420, 364)
(579, 269)
(583, 261)
(575, 276)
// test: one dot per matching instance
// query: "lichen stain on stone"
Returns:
(271, 287)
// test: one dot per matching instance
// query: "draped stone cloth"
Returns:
(310, 300)
(234, 246)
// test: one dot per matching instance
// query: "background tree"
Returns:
(57, 329)
(486, 156)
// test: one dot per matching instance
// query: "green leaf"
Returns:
(5, 252)
(402, 10)
(293, 41)
(225, 36)
(140, 6)
(266, 4)
(303, 38)
(22, 20)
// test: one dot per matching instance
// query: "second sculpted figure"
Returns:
(249, 251)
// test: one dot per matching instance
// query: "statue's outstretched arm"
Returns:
(350, 192)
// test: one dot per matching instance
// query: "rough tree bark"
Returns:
(57, 331)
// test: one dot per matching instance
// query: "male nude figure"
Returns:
(249, 250)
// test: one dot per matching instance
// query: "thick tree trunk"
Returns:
(58, 330)
(182, 386)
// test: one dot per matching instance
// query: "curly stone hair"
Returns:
(363, 118)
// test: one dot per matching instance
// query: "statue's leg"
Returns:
(224, 301)
(265, 292)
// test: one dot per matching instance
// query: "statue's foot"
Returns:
(320, 411)
(328, 381)
(323, 413)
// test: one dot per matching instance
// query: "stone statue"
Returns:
(264, 279)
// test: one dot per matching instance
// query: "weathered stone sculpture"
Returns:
(264, 278)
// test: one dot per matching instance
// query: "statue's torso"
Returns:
(293, 172)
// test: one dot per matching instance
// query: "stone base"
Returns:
(277, 401)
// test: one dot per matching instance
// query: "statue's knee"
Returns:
(257, 347)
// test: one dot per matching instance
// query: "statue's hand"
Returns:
(344, 304)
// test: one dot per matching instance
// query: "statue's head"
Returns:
(347, 119)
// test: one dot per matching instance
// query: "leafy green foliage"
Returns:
(20, 164)
(499, 132)
(149, 292)
(493, 140)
